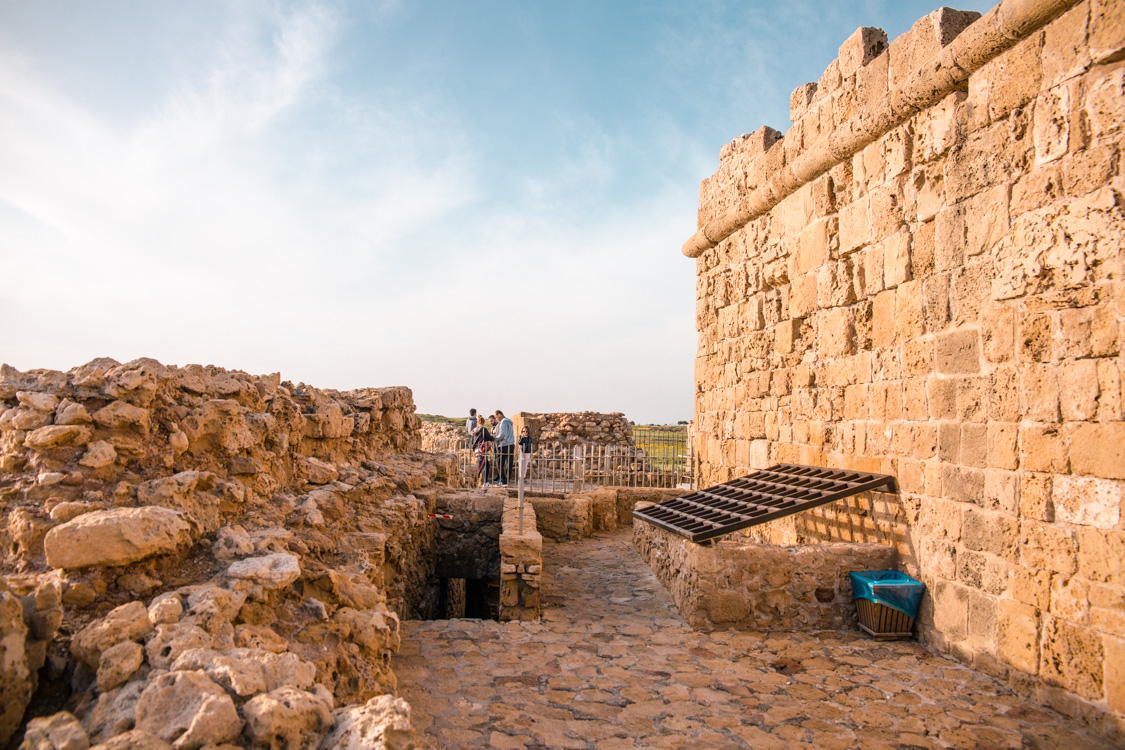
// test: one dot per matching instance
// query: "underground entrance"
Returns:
(482, 566)
(465, 580)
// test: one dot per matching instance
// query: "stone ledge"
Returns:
(757, 586)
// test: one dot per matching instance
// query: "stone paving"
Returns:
(612, 665)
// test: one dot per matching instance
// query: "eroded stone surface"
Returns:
(115, 537)
(129, 622)
(188, 710)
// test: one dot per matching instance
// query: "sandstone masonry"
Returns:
(923, 277)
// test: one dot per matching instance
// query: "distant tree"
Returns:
(682, 421)
(634, 424)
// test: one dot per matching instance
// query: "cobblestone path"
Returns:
(612, 665)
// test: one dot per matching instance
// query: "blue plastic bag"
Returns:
(896, 590)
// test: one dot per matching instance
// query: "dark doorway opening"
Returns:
(466, 598)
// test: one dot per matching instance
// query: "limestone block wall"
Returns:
(764, 587)
(521, 564)
(923, 277)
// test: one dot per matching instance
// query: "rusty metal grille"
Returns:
(765, 495)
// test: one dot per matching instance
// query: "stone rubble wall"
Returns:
(561, 430)
(439, 437)
(206, 556)
(753, 586)
(923, 278)
(521, 563)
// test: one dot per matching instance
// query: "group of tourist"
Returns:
(495, 436)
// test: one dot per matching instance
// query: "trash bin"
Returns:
(887, 602)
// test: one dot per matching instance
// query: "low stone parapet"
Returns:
(762, 587)
(521, 563)
(606, 509)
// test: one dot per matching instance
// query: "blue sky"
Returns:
(483, 201)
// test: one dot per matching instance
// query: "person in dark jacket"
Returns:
(481, 442)
(525, 452)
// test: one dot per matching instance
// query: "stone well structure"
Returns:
(923, 277)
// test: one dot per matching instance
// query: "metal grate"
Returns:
(771, 493)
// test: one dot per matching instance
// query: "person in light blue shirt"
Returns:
(505, 447)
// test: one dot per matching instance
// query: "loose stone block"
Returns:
(115, 537)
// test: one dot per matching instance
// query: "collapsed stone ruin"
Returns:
(923, 278)
(555, 430)
(194, 555)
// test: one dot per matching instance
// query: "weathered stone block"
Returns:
(896, 260)
(836, 333)
(1003, 446)
(1001, 490)
(986, 220)
(1047, 546)
(949, 239)
(1018, 635)
(812, 249)
(951, 609)
(800, 100)
(863, 46)
(974, 445)
(115, 537)
(1105, 109)
(1033, 339)
(909, 322)
(958, 352)
(1088, 501)
(1043, 448)
(883, 319)
(1051, 128)
(981, 622)
(962, 484)
(1066, 53)
(1107, 31)
(1072, 656)
(1101, 555)
(1098, 449)
(1039, 391)
(1030, 586)
(855, 225)
(995, 533)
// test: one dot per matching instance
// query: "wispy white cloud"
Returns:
(263, 216)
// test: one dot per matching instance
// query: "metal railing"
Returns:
(574, 468)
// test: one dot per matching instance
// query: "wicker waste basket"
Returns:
(887, 602)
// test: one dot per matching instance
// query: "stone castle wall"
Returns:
(923, 277)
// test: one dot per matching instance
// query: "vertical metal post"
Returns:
(519, 484)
